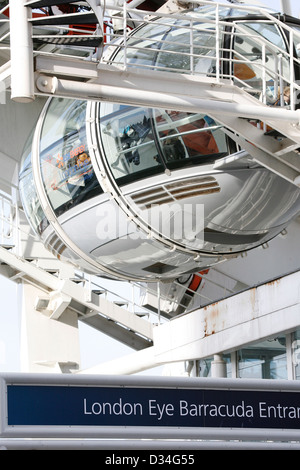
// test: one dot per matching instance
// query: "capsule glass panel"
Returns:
(66, 167)
(185, 138)
(244, 53)
(28, 193)
(140, 142)
(255, 61)
(128, 140)
(175, 46)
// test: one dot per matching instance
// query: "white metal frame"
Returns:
(123, 43)
(142, 444)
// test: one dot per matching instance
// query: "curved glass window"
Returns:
(143, 46)
(66, 167)
(189, 138)
(29, 197)
(138, 142)
(128, 140)
(250, 54)
(180, 42)
(175, 45)
(162, 46)
(253, 53)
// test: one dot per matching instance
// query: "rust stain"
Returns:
(215, 315)
(208, 307)
(212, 323)
(275, 282)
(253, 297)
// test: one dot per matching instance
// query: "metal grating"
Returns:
(176, 191)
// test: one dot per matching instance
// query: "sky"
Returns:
(95, 347)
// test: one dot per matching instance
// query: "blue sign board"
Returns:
(69, 405)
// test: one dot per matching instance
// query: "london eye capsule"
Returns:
(141, 193)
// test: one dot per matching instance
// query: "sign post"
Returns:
(47, 406)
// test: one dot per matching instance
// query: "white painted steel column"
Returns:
(218, 366)
(22, 81)
(47, 345)
(286, 7)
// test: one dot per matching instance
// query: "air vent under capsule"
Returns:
(175, 191)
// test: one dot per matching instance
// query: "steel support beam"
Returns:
(21, 47)
(209, 98)
(70, 290)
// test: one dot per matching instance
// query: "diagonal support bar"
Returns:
(73, 293)
(208, 99)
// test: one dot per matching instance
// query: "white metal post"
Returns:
(286, 7)
(218, 366)
(158, 301)
(292, 78)
(22, 81)
(217, 44)
(191, 47)
(125, 35)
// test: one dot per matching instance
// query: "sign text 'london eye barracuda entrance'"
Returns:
(46, 405)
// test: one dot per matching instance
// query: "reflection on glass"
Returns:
(170, 46)
(30, 200)
(265, 360)
(186, 50)
(66, 166)
(142, 48)
(244, 53)
(296, 353)
(185, 135)
(139, 142)
(204, 366)
(248, 61)
(128, 139)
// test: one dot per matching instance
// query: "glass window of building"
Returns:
(204, 366)
(66, 166)
(296, 353)
(264, 360)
